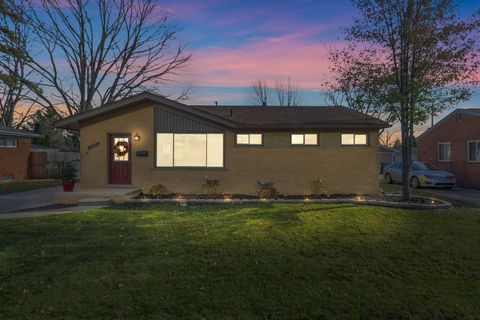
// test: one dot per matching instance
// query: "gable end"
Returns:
(167, 121)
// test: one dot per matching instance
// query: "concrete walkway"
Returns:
(41, 213)
(28, 199)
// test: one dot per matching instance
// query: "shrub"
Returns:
(158, 189)
(267, 190)
(67, 172)
(211, 185)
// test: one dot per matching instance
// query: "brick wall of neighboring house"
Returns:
(14, 161)
(343, 169)
(457, 133)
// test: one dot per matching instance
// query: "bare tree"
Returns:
(96, 52)
(16, 99)
(386, 137)
(287, 93)
(261, 92)
(425, 55)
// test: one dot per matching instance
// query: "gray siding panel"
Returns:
(166, 121)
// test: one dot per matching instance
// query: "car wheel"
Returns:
(415, 183)
(388, 179)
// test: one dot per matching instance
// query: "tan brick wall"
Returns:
(14, 161)
(343, 169)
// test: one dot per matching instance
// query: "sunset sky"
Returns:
(235, 42)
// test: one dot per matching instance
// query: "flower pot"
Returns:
(68, 185)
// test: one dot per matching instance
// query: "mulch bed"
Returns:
(359, 198)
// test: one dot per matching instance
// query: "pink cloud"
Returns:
(265, 58)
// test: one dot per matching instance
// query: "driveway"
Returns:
(27, 199)
(471, 196)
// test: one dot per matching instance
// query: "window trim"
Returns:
(173, 167)
(468, 150)
(304, 144)
(438, 151)
(9, 138)
(354, 144)
(248, 144)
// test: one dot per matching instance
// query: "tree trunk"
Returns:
(406, 160)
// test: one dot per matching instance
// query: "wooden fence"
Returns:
(47, 164)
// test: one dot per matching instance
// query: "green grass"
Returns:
(242, 262)
(26, 185)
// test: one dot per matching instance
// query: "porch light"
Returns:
(136, 137)
(227, 198)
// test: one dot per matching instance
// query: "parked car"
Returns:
(421, 175)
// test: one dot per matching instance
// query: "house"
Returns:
(453, 144)
(147, 139)
(15, 148)
(397, 157)
(386, 155)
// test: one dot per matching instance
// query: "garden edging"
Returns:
(437, 203)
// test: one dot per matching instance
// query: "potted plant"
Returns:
(67, 174)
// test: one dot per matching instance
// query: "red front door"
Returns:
(120, 159)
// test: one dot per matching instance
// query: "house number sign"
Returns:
(93, 146)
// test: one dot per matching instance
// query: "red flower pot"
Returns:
(68, 185)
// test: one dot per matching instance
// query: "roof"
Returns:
(5, 131)
(295, 117)
(384, 148)
(242, 117)
(469, 111)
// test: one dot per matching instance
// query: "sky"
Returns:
(236, 42)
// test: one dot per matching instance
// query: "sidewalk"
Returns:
(41, 213)
(28, 199)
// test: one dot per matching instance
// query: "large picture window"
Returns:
(353, 139)
(8, 142)
(444, 151)
(473, 149)
(190, 150)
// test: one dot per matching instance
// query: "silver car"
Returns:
(421, 175)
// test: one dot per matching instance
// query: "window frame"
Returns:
(355, 144)
(248, 144)
(438, 151)
(173, 167)
(9, 138)
(477, 144)
(304, 144)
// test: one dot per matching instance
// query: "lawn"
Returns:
(242, 262)
(26, 185)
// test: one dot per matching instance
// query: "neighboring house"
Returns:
(14, 153)
(386, 155)
(453, 144)
(397, 157)
(147, 139)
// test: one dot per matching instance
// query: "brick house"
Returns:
(147, 139)
(15, 148)
(453, 144)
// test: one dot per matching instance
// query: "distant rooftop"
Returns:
(5, 131)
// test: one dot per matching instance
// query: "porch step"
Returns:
(95, 202)
(97, 195)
